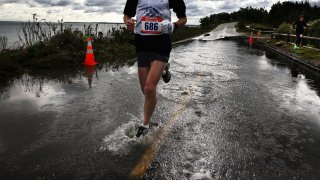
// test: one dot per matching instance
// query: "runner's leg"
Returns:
(298, 39)
(143, 74)
(301, 41)
(150, 89)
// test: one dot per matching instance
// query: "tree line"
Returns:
(279, 13)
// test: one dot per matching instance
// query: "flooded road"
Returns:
(230, 112)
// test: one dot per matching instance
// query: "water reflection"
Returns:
(296, 70)
(36, 82)
(89, 71)
(39, 89)
(35, 86)
(300, 89)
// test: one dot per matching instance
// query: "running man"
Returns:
(152, 29)
(299, 27)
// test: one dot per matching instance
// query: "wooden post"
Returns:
(288, 37)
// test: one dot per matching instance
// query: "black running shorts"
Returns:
(146, 58)
(151, 48)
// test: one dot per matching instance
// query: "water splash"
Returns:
(123, 138)
(201, 176)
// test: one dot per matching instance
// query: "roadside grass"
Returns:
(188, 32)
(261, 27)
(306, 52)
(310, 55)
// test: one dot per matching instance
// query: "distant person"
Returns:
(299, 27)
(152, 29)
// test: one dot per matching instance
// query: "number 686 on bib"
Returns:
(151, 25)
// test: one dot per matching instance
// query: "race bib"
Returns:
(151, 25)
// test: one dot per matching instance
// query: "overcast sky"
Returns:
(111, 10)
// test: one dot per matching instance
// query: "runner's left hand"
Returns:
(167, 27)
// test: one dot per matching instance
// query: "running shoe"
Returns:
(166, 76)
(142, 131)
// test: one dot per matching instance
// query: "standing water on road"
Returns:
(230, 112)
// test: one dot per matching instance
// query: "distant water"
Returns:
(11, 29)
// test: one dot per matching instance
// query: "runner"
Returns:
(152, 29)
(299, 27)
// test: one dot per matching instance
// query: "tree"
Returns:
(205, 21)
(290, 11)
(250, 15)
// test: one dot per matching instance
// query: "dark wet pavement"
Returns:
(247, 114)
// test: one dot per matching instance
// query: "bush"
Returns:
(315, 28)
(205, 21)
(285, 28)
(3, 43)
(187, 32)
(120, 35)
(69, 40)
(241, 26)
(261, 27)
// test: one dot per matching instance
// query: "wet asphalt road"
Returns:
(245, 114)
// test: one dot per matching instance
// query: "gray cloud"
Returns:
(78, 7)
(104, 2)
(195, 8)
(10, 1)
(55, 2)
(105, 6)
(40, 2)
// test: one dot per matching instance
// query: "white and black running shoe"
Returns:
(166, 75)
(142, 131)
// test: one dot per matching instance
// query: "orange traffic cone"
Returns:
(89, 56)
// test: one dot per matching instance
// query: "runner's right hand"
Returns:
(130, 24)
